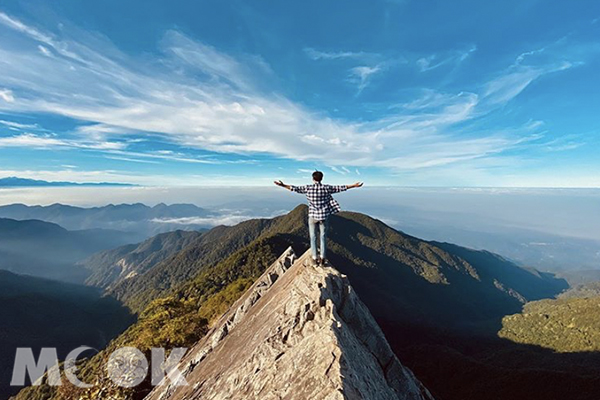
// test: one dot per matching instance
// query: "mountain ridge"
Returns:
(113, 266)
(14, 181)
(299, 332)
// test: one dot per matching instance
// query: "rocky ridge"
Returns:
(300, 332)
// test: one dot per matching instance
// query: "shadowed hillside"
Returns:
(42, 313)
(47, 250)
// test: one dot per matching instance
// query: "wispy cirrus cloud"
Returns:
(340, 170)
(18, 126)
(362, 75)
(509, 85)
(35, 141)
(198, 97)
(7, 95)
(358, 75)
(435, 61)
(153, 156)
(336, 55)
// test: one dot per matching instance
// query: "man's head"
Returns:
(317, 176)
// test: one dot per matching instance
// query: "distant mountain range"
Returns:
(14, 181)
(139, 218)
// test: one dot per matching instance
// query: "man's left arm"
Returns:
(355, 185)
(342, 188)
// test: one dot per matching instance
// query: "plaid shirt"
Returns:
(320, 202)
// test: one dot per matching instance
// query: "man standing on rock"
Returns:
(320, 206)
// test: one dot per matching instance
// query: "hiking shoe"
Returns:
(314, 262)
(325, 262)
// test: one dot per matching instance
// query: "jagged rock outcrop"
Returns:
(300, 332)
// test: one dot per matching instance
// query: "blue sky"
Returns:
(395, 92)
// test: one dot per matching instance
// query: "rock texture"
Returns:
(300, 332)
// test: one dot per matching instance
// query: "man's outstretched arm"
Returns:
(355, 185)
(280, 183)
(342, 188)
(297, 189)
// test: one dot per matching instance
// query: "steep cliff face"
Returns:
(300, 332)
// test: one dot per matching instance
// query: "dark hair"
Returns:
(318, 176)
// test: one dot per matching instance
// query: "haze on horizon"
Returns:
(547, 228)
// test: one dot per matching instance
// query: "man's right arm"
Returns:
(281, 184)
(297, 189)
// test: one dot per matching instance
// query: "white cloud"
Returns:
(44, 50)
(334, 55)
(198, 97)
(565, 143)
(162, 155)
(526, 54)
(18, 126)
(48, 141)
(362, 75)
(509, 85)
(130, 159)
(7, 95)
(338, 170)
(434, 61)
(358, 75)
(30, 140)
(227, 218)
(99, 129)
(21, 27)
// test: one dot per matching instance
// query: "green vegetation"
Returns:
(564, 325)
(204, 254)
(591, 289)
(111, 266)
